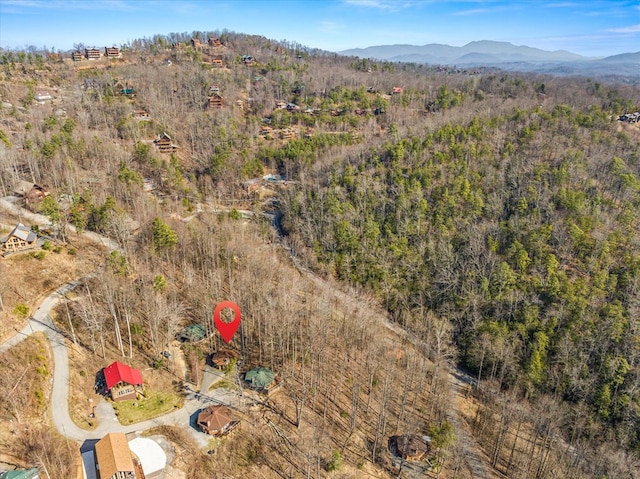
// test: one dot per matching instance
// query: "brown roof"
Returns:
(215, 418)
(411, 446)
(113, 455)
(222, 357)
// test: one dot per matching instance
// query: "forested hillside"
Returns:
(493, 216)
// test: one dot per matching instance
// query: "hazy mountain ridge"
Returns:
(504, 55)
(502, 51)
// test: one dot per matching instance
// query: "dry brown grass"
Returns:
(25, 371)
(82, 396)
(27, 280)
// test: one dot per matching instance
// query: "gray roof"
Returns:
(22, 187)
(24, 233)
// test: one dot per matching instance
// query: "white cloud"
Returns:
(629, 29)
(34, 5)
(370, 3)
(474, 11)
(394, 5)
(564, 5)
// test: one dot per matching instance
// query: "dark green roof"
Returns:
(260, 377)
(193, 332)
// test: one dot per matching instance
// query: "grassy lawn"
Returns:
(157, 404)
(222, 383)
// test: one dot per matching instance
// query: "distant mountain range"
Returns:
(506, 56)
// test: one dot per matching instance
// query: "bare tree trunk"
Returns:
(73, 332)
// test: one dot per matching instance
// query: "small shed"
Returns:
(91, 84)
(216, 420)
(43, 96)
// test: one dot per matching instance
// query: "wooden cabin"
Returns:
(92, 53)
(30, 192)
(216, 420)
(223, 358)
(288, 134)
(112, 52)
(216, 61)
(142, 115)
(21, 238)
(164, 143)
(122, 382)
(266, 130)
(216, 101)
(112, 457)
(76, 56)
(410, 447)
(215, 42)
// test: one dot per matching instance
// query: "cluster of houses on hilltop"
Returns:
(96, 54)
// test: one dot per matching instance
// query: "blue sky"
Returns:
(586, 27)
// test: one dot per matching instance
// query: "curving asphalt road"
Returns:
(9, 203)
(108, 422)
(105, 415)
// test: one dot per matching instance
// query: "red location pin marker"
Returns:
(227, 330)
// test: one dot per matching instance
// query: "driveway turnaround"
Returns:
(107, 420)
